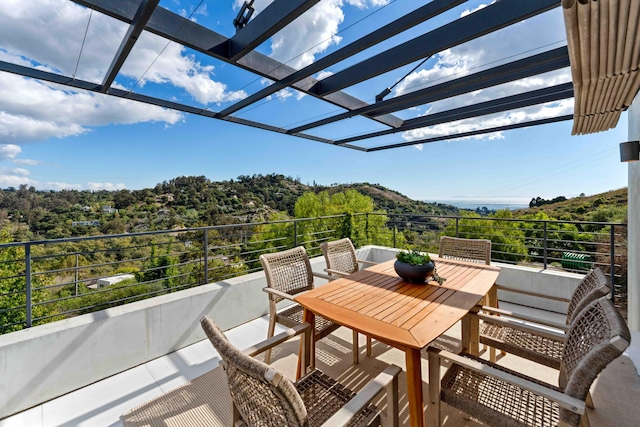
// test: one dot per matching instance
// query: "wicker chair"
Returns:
(534, 340)
(472, 250)
(262, 396)
(498, 396)
(289, 273)
(341, 259)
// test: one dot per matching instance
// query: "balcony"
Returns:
(89, 369)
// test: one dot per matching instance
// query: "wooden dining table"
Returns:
(379, 304)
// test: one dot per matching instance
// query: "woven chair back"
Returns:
(597, 336)
(472, 250)
(340, 255)
(262, 396)
(593, 286)
(288, 271)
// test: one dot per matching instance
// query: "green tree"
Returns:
(348, 203)
(13, 286)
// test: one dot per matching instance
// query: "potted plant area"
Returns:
(416, 267)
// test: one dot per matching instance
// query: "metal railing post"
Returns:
(295, 234)
(205, 245)
(457, 225)
(366, 226)
(394, 231)
(27, 276)
(612, 263)
(544, 245)
(76, 275)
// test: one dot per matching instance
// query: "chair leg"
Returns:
(368, 346)
(589, 401)
(492, 354)
(356, 348)
(270, 330)
(433, 410)
(393, 409)
(584, 421)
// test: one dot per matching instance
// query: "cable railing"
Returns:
(49, 280)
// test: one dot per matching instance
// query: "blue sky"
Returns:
(53, 138)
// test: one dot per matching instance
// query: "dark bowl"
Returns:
(413, 273)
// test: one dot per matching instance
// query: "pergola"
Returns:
(240, 51)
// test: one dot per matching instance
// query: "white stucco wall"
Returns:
(44, 362)
(633, 281)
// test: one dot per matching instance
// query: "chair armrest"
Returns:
(387, 379)
(568, 402)
(338, 272)
(278, 293)
(361, 261)
(323, 276)
(277, 339)
(533, 294)
(539, 321)
(533, 329)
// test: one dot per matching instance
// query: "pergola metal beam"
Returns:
(239, 51)
(523, 68)
(409, 20)
(527, 99)
(268, 22)
(475, 132)
(174, 27)
(491, 18)
(143, 14)
(119, 93)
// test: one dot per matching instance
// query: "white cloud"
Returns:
(32, 111)
(46, 31)
(29, 162)
(509, 44)
(105, 186)
(470, 11)
(324, 74)
(18, 172)
(60, 186)
(176, 68)
(15, 181)
(495, 120)
(363, 4)
(311, 33)
(9, 151)
(283, 94)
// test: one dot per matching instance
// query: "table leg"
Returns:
(471, 333)
(310, 318)
(414, 387)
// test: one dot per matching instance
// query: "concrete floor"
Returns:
(616, 392)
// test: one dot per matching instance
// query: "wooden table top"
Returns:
(380, 304)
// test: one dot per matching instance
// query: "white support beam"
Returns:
(633, 202)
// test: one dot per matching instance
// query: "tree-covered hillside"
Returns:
(604, 207)
(187, 201)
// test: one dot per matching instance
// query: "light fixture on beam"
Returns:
(243, 15)
(630, 151)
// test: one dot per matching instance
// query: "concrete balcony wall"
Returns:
(47, 361)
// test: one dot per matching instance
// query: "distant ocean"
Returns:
(473, 205)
